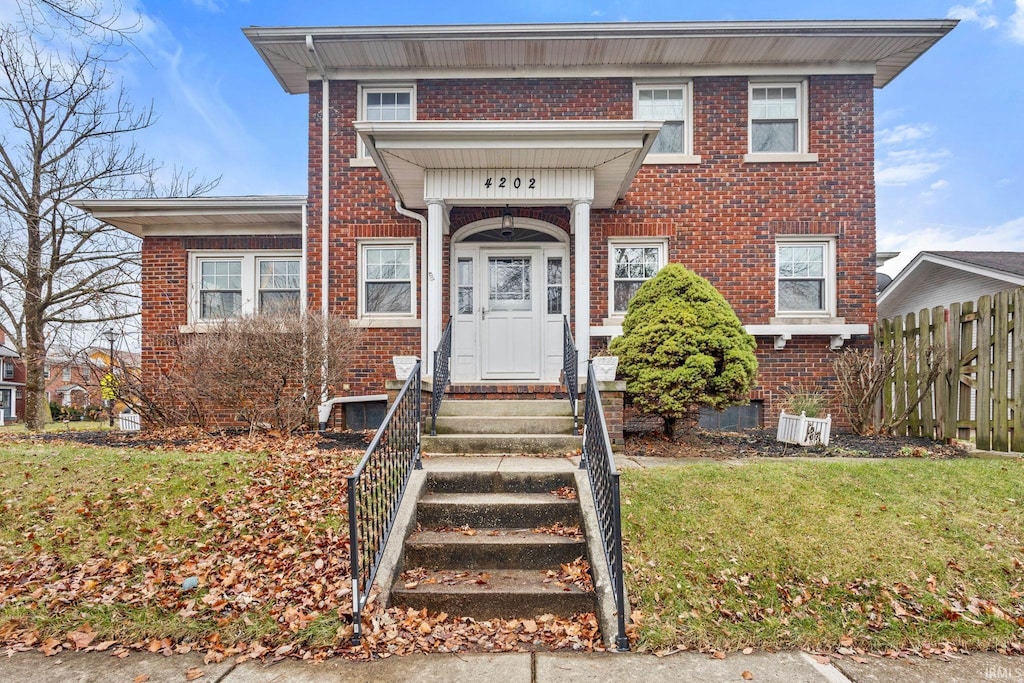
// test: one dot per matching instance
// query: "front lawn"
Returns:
(823, 555)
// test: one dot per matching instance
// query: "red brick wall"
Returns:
(721, 217)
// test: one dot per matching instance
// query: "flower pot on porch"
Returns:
(605, 367)
(404, 365)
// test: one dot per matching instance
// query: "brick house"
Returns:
(12, 383)
(75, 380)
(505, 176)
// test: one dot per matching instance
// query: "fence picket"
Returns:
(983, 380)
(924, 343)
(968, 368)
(1017, 361)
(900, 380)
(941, 388)
(1000, 372)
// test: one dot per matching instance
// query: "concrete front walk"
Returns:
(779, 667)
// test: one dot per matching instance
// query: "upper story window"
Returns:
(230, 285)
(387, 272)
(806, 277)
(65, 374)
(386, 103)
(778, 122)
(8, 369)
(632, 264)
(671, 104)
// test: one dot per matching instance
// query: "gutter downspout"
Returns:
(325, 223)
(423, 272)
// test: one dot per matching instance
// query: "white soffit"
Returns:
(254, 215)
(405, 151)
(882, 47)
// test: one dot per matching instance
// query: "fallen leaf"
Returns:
(748, 650)
(194, 673)
(141, 678)
(747, 676)
(718, 654)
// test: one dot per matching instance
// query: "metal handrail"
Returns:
(597, 459)
(376, 487)
(442, 374)
(570, 359)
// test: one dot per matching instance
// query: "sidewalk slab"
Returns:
(507, 668)
(981, 666)
(96, 667)
(778, 667)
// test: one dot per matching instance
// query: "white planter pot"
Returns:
(802, 430)
(404, 365)
(604, 368)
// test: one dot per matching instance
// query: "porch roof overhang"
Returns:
(182, 216)
(297, 55)
(404, 152)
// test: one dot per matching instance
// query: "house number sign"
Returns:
(514, 182)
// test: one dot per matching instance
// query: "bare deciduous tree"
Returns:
(66, 132)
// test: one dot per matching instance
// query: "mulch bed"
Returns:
(187, 436)
(762, 443)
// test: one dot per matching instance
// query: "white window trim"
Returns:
(366, 319)
(802, 154)
(830, 278)
(250, 284)
(687, 156)
(615, 318)
(362, 159)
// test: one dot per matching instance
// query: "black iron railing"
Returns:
(442, 374)
(604, 482)
(570, 363)
(375, 490)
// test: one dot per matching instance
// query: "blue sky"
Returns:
(949, 144)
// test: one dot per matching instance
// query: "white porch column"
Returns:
(436, 219)
(581, 272)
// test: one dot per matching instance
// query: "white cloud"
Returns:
(1008, 236)
(939, 184)
(978, 12)
(1016, 22)
(904, 133)
(908, 166)
(210, 5)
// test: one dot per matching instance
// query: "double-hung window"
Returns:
(386, 103)
(231, 285)
(65, 374)
(805, 274)
(671, 104)
(387, 274)
(631, 265)
(8, 366)
(778, 121)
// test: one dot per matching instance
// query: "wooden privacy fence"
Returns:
(979, 392)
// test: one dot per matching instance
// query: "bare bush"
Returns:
(266, 371)
(863, 375)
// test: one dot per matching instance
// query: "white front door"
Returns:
(507, 308)
(510, 316)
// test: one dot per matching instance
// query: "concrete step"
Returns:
(495, 510)
(512, 444)
(505, 593)
(498, 482)
(505, 408)
(491, 548)
(507, 424)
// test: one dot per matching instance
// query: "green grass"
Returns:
(78, 502)
(801, 554)
(18, 428)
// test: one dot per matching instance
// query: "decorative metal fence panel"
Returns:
(570, 363)
(376, 487)
(604, 482)
(442, 374)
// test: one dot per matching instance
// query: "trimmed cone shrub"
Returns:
(682, 347)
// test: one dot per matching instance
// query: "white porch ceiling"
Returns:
(297, 55)
(405, 151)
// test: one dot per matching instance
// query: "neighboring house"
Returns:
(12, 383)
(940, 278)
(505, 176)
(74, 380)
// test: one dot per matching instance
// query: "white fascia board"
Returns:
(584, 129)
(601, 71)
